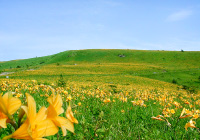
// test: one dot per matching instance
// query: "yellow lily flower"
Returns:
(70, 116)
(191, 124)
(185, 116)
(54, 110)
(195, 116)
(183, 111)
(176, 104)
(159, 117)
(79, 104)
(56, 102)
(107, 100)
(172, 111)
(36, 125)
(8, 106)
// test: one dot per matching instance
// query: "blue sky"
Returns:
(44, 27)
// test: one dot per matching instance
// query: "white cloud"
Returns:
(180, 15)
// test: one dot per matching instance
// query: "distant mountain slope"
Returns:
(160, 58)
(180, 68)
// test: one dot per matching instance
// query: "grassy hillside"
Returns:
(114, 94)
(161, 58)
(182, 68)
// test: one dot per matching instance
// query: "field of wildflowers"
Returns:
(106, 112)
(81, 100)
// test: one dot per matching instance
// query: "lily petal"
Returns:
(13, 105)
(185, 116)
(22, 133)
(31, 108)
(46, 128)
(3, 123)
(61, 121)
(190, 124)
(183, 111)
(70, 116)
(41, 115)
(57, 103)
(3, 106)
(51, 112)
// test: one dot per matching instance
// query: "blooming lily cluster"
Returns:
(45, 122)
(193, 115)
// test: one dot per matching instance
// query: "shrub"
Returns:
(185, 87)
(61, 82)
(42, 62)
(174, 81)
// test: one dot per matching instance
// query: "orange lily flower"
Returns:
(8, 106)
(195, 116)
(70, 115)
(183, 112)
(54, 110)
(191, 124)
(107, 100)
(36, 125)
(172, 111)
(158, 118)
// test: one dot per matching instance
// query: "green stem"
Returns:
(12, 122)
(19, 121)
(57, 136)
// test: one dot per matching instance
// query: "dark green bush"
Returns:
(174, 81)
(61, 82)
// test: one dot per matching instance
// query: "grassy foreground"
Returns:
(114, 94)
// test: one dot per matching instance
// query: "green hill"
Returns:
(161, 58)
(182, 68)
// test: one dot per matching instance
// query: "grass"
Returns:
(161, 58)
(119, 91)
(119, 118)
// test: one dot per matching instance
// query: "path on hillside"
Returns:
(6, 73)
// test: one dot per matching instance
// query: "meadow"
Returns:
(114, 94)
